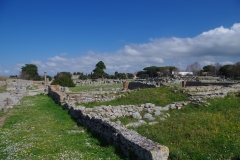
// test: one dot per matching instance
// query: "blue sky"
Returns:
(127, 35)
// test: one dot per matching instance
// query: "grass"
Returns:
(88, 88)
(200, 132)
(3, 88)
(40, 129)
(159, 96)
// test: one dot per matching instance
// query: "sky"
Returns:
(127, 35)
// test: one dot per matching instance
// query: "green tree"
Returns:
(99, 69)
(63, 79)
(226, 70)
(116, 74)
(30, 72)
(210, 69)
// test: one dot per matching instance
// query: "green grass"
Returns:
(200, 132)
(159, 96)
(91, 88)
(3, 88)
(40, 129)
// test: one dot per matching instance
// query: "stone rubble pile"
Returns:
(97, 82)
(2, 83)
(198, 95)
(96, 96)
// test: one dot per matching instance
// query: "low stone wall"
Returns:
(136, 85)
(196, 83)
(129, 141)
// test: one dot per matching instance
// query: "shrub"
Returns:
(64, 81)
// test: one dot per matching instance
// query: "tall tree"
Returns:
(99, 69)
(226, 70)
(194, 67)
(30, 72)
(210, 69)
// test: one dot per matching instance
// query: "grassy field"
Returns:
(159, 96)
(40, 129)
(92, 88)
(194, 132)
(200, 132)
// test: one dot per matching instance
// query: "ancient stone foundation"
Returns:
(198, 83)
(129, 141)
(136, 85)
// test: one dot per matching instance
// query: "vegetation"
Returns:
(99, 69)
(194, 132)
(155, 71)
(194, 67)
(90, 88)
(158, 96)
(30, 72)
(63, 79)
(200, 132)
(40, 129)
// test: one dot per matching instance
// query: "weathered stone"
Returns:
(157, 113)
(148, 116)
(136, 115)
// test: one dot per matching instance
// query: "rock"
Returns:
(136, 124)
(172, 106)
(149, 110)
(118, 122)
(136, 115)
(162, 118)
(157, 113)
(148, 116)
(152, 123)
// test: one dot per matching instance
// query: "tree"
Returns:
(99, 69)
(30, 72)
(116, 74)
(217, 68)
(194, 67)
(63, 79)
(226, 70)
(210, 69)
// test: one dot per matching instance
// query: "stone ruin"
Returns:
(97, 82)
(127, 140)
(16, 90)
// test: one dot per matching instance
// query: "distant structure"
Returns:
(45, 78)
(185, 73)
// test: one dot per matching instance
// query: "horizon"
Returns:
(73, 36)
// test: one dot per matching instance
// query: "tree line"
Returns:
(30, 72)
(216, 69)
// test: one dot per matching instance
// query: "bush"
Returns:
(64, 81)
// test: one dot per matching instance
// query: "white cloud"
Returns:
(57, 58)
(217, 45)
(226, 63)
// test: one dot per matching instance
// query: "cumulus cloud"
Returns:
(217, 45)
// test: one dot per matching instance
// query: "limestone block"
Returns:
(157, 113)
(136, 115)
(148, 116)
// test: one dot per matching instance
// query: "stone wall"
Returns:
(129, 141)
(136, 85)
(2, 83)
(198, 83)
